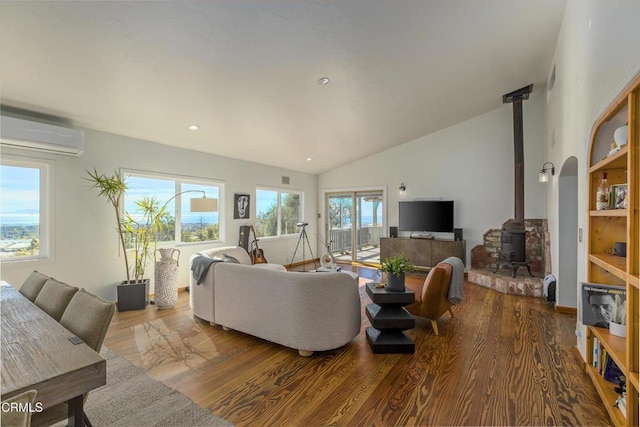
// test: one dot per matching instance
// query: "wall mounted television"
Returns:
(427, 216)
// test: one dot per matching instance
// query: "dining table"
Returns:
(38, 353)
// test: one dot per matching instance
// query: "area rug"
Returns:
(133, 398)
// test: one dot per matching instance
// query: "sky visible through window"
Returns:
(163, 190)
(20, 201)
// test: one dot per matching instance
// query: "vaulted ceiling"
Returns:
(247, 72)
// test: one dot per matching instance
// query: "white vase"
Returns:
(166, 278)
(621, 136)
(618, 329)
(327, 260)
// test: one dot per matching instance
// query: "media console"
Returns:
(423, 253)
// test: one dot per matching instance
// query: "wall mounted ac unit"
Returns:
(30, 135)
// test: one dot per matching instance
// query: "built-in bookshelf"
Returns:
(606, 227)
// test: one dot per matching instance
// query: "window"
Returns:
(277, 212)
(180, 224)
(24, 209)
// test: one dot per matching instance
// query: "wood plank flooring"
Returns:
(503, 360)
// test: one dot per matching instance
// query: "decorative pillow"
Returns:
(229, 258)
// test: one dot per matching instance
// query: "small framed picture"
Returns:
(619, 196)
(241, 207)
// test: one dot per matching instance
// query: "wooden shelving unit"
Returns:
(615, 225)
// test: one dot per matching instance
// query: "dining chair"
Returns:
(54, 297)
(88, 317)
(33, 284)
(23, 404)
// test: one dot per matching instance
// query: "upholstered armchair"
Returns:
(432, 296)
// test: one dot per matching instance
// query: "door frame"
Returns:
(324, 221)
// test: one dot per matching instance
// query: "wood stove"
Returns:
(513, 235)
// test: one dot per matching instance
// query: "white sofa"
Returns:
(202, 296)
(305, 311)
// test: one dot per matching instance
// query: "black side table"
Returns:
(388, 319)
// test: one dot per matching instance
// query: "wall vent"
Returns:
(285, 180)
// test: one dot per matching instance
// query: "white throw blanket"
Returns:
(457, 278)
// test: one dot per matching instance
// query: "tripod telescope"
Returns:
(303, 237)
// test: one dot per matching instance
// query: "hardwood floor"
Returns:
(503, 360)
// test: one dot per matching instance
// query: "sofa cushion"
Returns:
(235, 251)
(229, 258)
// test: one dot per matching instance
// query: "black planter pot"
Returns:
(133, 295)
(395, 283)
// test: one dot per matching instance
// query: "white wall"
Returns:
(596, 56)
(86, 244)
(471, 163)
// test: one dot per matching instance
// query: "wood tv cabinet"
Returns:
(423, 253)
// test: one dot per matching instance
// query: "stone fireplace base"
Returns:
(485, 260)
(503, 282)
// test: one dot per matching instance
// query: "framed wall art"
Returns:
(241, 206)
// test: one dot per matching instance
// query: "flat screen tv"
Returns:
(427, 215)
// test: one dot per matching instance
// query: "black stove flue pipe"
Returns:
(516, 98)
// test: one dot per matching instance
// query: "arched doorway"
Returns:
(567, 286)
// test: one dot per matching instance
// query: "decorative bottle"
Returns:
(602, 194)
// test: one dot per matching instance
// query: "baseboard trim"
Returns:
(566, 310)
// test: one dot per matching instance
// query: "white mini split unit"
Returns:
(44, 137)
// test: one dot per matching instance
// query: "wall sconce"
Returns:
(402, 188)
(543, 175)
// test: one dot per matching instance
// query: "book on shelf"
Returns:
(610, 371)
(603, 304)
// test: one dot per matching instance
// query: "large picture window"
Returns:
(24, 213)
(180, 224)
(277, 212)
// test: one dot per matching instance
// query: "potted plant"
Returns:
(136, 232)
(395, 268)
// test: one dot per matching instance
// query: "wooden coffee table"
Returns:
(389, 319)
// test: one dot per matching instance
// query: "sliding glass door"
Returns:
(355, 223)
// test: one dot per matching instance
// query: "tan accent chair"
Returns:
(18, 418)
(88, 317)
(54, 297)
(432, 296)
(33, 285)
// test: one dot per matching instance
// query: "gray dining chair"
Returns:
(15, 417)
(54, 297)
(88, 317)
(33, 284)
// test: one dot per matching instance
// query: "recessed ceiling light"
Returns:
(194, 127)
(323, 81)
(308, 159)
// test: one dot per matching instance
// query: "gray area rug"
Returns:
(133, 398)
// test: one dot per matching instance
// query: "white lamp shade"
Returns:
(203, 204)
(543, 176)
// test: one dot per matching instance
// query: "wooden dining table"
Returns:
(37, 354)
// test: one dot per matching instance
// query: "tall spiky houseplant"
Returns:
(137, 230)
(113, 188)
(144, 229)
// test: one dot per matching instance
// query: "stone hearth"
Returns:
(503, 282)
(484, 260)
